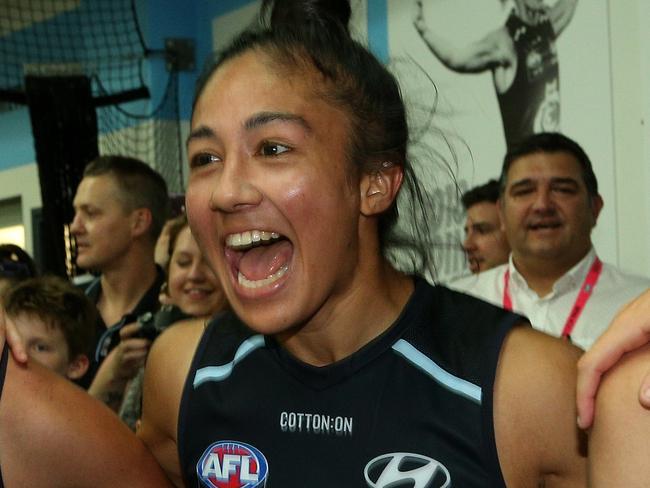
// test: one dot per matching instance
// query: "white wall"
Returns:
(630, 58)
(22, 182)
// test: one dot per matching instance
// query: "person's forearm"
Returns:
(561, 14)
(108, 388)
(629, 331)
(469, 58)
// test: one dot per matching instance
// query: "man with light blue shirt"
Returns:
(549, 204)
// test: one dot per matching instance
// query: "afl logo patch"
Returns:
(230, 464)
(403, 469)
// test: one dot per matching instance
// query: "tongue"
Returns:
(261, 262)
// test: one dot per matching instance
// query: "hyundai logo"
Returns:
(403, 469)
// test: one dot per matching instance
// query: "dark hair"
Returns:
(551, 142)
(176, 225)
(15, 263)
(487, 192)
(59, 304)
(312, 35)
(140, 186)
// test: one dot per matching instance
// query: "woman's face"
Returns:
(192, 286)
(272, 198)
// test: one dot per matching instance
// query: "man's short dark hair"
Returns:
(487, 192)
(551, 142)
(140, 186)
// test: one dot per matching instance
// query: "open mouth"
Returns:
(474, 263)
(544, 226)
(258, 259)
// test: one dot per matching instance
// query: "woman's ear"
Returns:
(379, 188)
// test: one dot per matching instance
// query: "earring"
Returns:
(373, 190)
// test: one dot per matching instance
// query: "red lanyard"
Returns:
(585, 293)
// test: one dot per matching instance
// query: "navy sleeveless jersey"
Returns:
(532, 103)
(3, 374)
(412, 408)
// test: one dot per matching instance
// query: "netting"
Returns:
(99, 39)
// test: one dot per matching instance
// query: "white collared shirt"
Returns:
(549, 313)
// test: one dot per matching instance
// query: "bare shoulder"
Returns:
(534, 411)
(52, 433)
(618, 446)
(561, 356)
(167, 367)
(185, 332)
(173, 350)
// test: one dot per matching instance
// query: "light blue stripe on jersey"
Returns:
(444, 378)
(220, 373)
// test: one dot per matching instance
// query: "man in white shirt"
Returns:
(548, 206)
(485, 244)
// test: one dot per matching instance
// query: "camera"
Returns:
(148, 328)
(152, 324)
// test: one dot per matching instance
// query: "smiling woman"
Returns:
(298, 152)
(191, 285)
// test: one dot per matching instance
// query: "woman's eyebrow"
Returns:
(201, 132)
(263, 118)
(254, 122)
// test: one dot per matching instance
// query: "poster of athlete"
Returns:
(489, 72)
(521, 56)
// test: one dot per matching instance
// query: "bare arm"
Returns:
(619, 447)
(493, 50)
(165, 374)
(534, 413)
(54, 434)
(561, 14)
(119, 367)
(629, 330)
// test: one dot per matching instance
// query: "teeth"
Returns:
(246, 238)
(234, 240)
(246, 283)
(197, 291)
(250, 238)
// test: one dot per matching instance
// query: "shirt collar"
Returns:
(148, 302)
(571, 279)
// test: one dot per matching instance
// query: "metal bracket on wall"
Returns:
(180, 54)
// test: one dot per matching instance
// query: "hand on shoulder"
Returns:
(618, 445)
(629, 330)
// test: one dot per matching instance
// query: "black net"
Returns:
(100, 41)
(97, 38)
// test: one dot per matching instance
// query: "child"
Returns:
(55, 320)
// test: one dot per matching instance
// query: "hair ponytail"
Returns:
(296, 14)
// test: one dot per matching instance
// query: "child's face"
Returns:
(45, 343)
